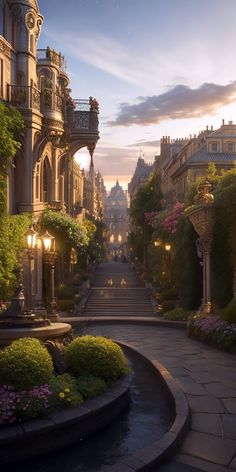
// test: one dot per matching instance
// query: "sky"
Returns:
(157, 68)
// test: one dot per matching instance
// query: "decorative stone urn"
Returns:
(202, 218)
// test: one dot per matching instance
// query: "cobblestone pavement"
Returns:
(208, 379)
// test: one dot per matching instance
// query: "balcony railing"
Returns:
(53, 57)
(52, 101)
(81, 116)
(23, 96)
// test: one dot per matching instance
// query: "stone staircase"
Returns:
(131, 300)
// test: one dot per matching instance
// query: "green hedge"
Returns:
(24, 364)
(97, 356)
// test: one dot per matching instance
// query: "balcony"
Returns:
(81, 117)
(24, 97)
(51, 57)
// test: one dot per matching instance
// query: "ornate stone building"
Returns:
(141, 174)
(116, 221)
(56, 126)
(37, 83)
(185, 160)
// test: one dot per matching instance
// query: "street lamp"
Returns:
(157, 242)
(31, 243)
(50, 259)
(167, 247)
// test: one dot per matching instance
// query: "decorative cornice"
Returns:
(5, 47)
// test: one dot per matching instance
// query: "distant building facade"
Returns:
(115, 219)
(141, 175)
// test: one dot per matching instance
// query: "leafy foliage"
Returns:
(65, 392)
(11, 125)
(213, 330)
(229, 313)
(97, 356)
(90, 386)
(178, 314)
(188, 272)
(13, 230)
(24, 364)
(67, 231)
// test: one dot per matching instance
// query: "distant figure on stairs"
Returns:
(123, 283)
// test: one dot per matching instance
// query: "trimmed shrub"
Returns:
(90, 386)
(178, 314)
(65, 392)
(65, 305)
(170, 294)
(95, 355)
(229, 313)
(64, 292)
(25, 364)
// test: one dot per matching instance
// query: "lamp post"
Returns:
(50, 259)
(31, 243)
(202, 218)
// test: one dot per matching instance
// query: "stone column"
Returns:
(202, 218)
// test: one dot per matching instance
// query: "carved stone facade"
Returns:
(36, 82)
(116, 221)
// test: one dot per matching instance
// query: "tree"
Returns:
(145, 204)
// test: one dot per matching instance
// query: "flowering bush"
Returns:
(149, 217)
(213, 330)
(65, 393)
(27, 404)
(71, 102)
(93, 103)
(171, 220)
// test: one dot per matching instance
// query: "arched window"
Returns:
(46, 181)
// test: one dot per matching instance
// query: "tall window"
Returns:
(1, 78)
(231, 147)
(214, 147)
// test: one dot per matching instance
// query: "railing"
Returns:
(52, 57)
(85, 121)
(81, 116)
(23, 96)
(52, 101)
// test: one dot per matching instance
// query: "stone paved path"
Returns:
(208, 379)
(206, 376)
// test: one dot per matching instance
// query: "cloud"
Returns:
(180, 102)
(106, 54)
(141, 143)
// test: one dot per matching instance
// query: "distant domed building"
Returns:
(116, 221)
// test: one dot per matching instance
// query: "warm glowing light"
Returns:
(48, 240)
(112, 238)
(31, 238)
(157, 242)
(83, 159)
(167, 247)
(119, 238)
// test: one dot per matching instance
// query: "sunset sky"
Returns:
(157, 67)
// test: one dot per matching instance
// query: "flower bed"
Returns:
(213, 330)
(22, 395)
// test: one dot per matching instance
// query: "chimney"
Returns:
(211, 128)
(230, 122)
(223, 122)
(207, 128)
